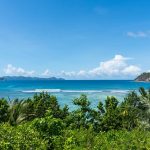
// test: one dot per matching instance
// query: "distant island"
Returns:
(144, 77)
(28, 78)
(1, 78)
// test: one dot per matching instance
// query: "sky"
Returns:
(75, 39)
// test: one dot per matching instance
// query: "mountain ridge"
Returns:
(28, 78)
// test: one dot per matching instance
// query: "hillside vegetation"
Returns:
(40, 123)
(143, 77)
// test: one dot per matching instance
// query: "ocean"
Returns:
(67, 90)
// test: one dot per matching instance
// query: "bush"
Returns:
(22, 137)
(40, 123)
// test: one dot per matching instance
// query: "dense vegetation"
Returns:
(40, 123)
(144, 77)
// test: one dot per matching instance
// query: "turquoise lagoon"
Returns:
(67, 90)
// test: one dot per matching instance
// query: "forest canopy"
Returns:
(40, 123)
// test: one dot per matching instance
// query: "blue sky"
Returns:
(75, 39)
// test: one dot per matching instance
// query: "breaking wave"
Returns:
(75, 91)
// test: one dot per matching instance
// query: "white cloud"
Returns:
(11, 70)
(67, 74)
(116, 68)
(131, 70)
(139, 34)
(81, 73)
(110, 67)
(46, 73)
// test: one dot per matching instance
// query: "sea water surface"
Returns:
(67, 90)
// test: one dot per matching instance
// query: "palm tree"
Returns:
(145, 106)
(19, 111)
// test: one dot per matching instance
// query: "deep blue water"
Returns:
(67, 90)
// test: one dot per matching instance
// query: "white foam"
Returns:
(82, 91)
(74, 91)
(42, 90)
(120, 91)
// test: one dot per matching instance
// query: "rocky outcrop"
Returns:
(144, 77)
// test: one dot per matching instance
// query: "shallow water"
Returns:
(67, 90)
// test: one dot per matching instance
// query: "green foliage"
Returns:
(122, 140)
(145, 107)
(136, 109)
(16, 114)
(143, 77)
(40, 123)
(49, 128)
(21, 137)
(83, 102)
(80, 117)
(111, 118)
(44, 102)
(87, 139)
(3, 110)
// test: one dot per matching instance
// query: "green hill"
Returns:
(144, 77)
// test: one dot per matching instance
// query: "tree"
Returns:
(16, 111)
(49, 128)
(145, 106)
(80, 117)
(111, 117)
(3, 110)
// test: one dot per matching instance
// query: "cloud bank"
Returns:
(17, 71)
(116, 68)
(46, 73)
